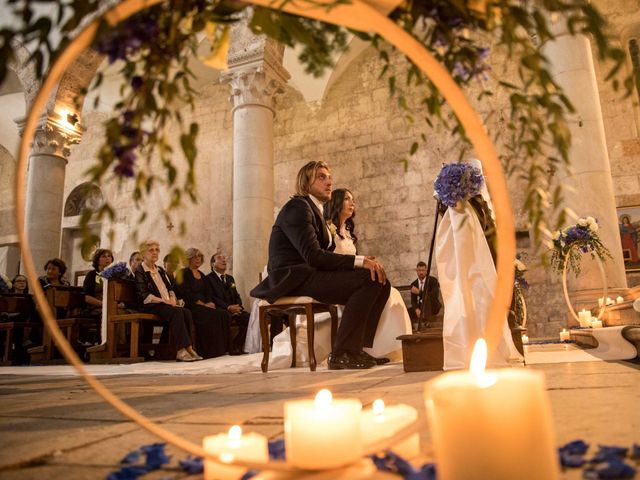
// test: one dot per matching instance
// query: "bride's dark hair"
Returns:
(332, 211)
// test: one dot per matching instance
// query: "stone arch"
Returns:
(85, 195)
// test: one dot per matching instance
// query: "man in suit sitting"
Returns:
(425, 292)
(301, 263)
(225, 295)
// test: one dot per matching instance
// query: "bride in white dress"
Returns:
(394, 320)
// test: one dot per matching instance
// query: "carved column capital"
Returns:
(54, 135)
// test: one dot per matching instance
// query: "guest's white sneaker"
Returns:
(184, 356)
(195, 355)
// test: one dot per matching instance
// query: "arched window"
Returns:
(85, 195)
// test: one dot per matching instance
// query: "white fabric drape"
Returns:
(467, 278)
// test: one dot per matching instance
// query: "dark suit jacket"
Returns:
(432, 296)
(297, 248)
(224, 294)
(146, 286)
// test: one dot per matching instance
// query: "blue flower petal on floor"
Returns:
(576, 447)
(249, 474)
(192, 465)
(613, 469)
(571, 461)
(155, 455)
(277, 449)
(127, 473)
(426, 472)
(607, 453)
(131, 457)
(635, 451)
(394, 463)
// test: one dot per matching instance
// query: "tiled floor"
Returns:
(57, 427)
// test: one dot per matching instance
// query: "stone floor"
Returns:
(58, 428)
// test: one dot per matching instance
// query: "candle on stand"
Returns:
(564, 335)
(251, 447)
(323, 433)
(584, 317)
(596, 323)
(610, 301)
(601, 301)
(385, 421)
(493, 424)
(620, 300)
(525, 339)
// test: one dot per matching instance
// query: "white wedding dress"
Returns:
(394, 322)
(467, 278)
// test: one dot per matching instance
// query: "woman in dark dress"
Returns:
(212, 324)
(92, 285)
(157, 295)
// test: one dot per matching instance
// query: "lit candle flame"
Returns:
(564, 330)
(378, 406)
(323, 398)
(478, 364)
(235, 432)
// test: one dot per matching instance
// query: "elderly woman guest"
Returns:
(55, 270)
(212, 324)
(92, 284)
(157, 295)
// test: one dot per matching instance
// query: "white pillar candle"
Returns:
(525, 339)
(385, 421)
(610, 301)
(491, 425)
(584, 317)
(620, 300)
(323, 433)
(600, 301)
(596, 323)
(564, 335)
(251, 447)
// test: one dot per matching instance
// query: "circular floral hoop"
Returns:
(359, 15)
(523, 305)
(566, 291)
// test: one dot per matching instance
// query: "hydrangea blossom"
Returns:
(457, 182)
(575, 240)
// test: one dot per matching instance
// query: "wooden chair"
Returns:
(19, 311)
(63, 298)
(293, 306)
(118, 292)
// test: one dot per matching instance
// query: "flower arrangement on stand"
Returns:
(570, 243)
(118, 270)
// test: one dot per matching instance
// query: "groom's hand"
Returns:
(376, 269)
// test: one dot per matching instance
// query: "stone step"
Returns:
(584, 337)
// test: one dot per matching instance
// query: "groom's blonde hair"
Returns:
(307, 175)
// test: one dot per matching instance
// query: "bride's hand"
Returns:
(376, 269)
(370, 257)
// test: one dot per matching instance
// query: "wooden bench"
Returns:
(17, 310)
(114, 350)
(63, 298)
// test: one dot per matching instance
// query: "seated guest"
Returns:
(20, 285)
(212, 324)
(92, 285)
(171, 265)
(157, 295)
(225, 295)
(55, 270)
(429, 301)
(5, 284)
(135, 259)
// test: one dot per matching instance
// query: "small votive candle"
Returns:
(620, 300)
(564, 335)
(596, 323)
(610, 301)
(525, 339)
(600, 301)
(323, 433)
(493, 424)
(251, 447)
(385, 421)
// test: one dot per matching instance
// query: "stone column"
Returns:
(255, 75)
(573, 69)
(45, 186)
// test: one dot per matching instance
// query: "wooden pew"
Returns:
(63, 298)
(18, 311)
(114, 351)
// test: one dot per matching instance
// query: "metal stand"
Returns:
(421, 318)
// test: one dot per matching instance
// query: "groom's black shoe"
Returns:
(378, 360)
(349, 361)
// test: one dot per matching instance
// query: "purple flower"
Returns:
(456, 182)
(120, 270)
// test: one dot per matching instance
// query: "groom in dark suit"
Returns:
(226, 296)
(301, 263)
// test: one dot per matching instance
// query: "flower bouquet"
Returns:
(118, 270)
(457, 182)
(575, 240)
